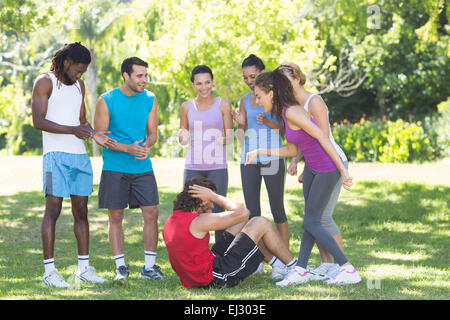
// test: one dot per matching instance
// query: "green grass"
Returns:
(397, 234)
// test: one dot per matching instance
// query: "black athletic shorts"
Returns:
(236, 259)
(118, 190)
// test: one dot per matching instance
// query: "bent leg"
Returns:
(261, 229)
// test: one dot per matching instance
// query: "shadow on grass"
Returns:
(388, 224)
(403, 226)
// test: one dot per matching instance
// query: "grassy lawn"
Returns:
(395, 225)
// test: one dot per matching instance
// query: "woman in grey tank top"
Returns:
(206, 126)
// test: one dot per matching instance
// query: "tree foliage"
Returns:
(375, 58)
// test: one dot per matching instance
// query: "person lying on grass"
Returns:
(235, 256)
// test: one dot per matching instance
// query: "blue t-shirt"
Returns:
(128, 117)
(259, 135)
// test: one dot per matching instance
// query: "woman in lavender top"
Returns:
(206, 127)
(323, 168)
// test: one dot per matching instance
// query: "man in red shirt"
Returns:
(235, 256)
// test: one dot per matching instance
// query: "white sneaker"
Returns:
(347, 275)
(89, 275)
(296, 275)
(333, 270)
(320, 273)
(54, 279)
(279, 273)
(260, 269)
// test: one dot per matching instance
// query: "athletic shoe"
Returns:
(347, 275)
(321, 273)
(122, 273)
(89, 275)
(54, 279)
(154, 273)
(296, 275)
(333, 270)
(260, 269)
(279, 273)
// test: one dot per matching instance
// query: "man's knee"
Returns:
(150, 213)
(80, 211)
(115, 217)
(259, 222)
(53, 208)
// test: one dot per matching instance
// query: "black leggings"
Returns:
(274, 173)
(317, 189)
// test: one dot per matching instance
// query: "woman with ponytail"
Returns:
(323, 168)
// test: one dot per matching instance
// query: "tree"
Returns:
(94, 23)
(222, 33)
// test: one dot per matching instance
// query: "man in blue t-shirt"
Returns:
(130, 113)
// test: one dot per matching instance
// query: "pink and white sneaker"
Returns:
(297, 275)
(346, 275)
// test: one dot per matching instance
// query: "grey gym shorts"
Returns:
(118, 190)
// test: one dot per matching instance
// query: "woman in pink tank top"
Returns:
(206, 127)
(323, 168)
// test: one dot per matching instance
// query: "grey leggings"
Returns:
(327, 218)
(317, 190)
(274, 174)
(220, 179)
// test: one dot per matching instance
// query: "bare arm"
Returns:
(241, 119)
(235, 213)
(101, 123)
(42, 90)
(262, 119)
(289, 151)
(299, 118)
(183, 133)
(225, 108)
(152, 129)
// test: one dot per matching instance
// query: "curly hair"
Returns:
(185, 202)
(283, 92)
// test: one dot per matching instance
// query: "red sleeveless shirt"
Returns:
(190, 257)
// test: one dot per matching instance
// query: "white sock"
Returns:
(275, 262)
(150, 258)
(292, 263)
(83, 262)
(120, 260)
(328, 264)
(49, 265)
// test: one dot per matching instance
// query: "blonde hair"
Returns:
(293, 70)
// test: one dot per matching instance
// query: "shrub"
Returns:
(387, 141)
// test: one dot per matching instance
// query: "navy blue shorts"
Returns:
(117, 190)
